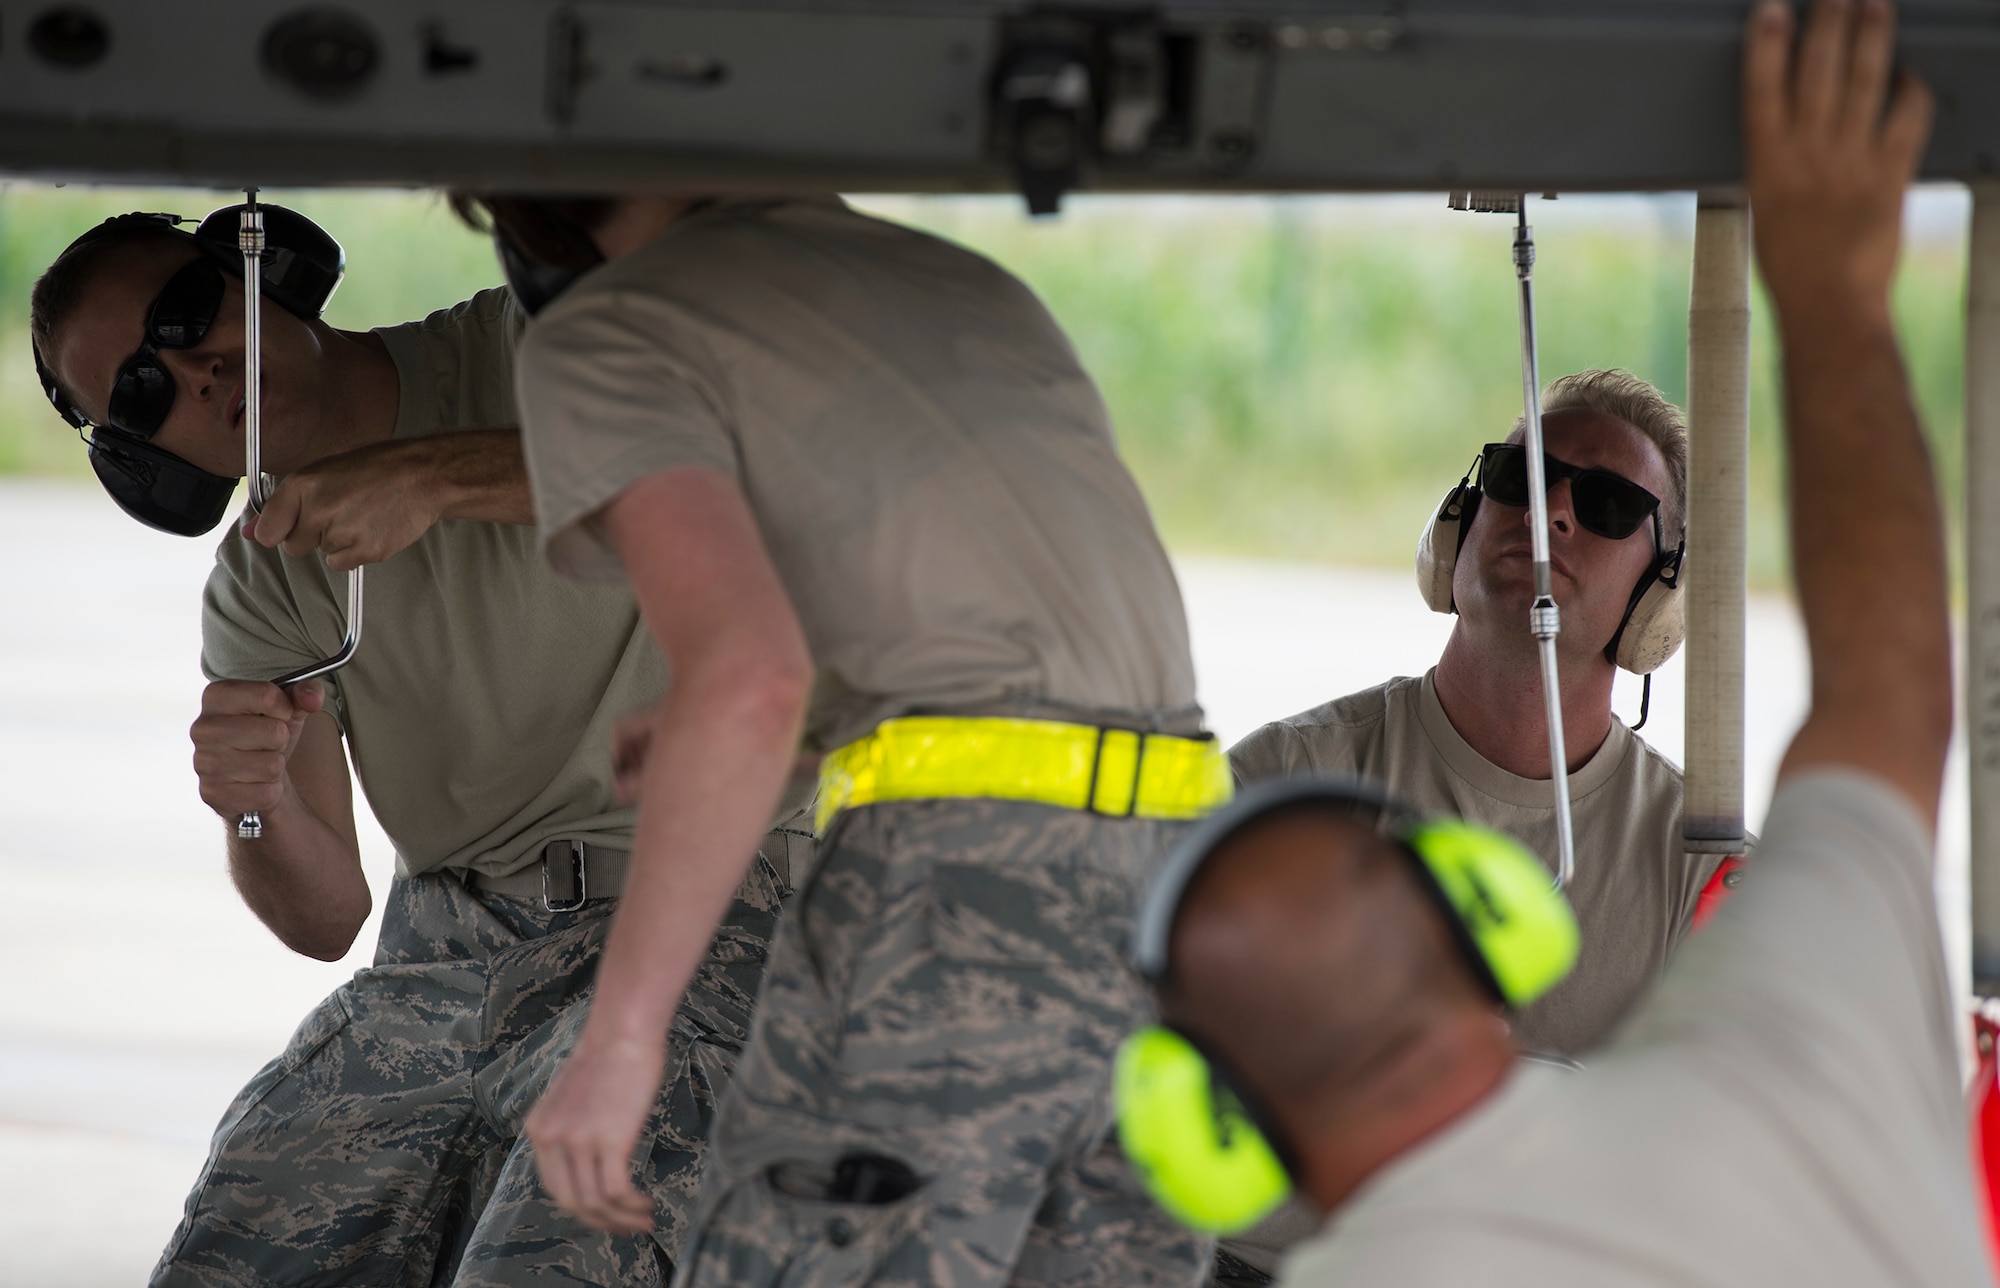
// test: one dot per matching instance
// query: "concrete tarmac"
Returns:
(140, 994)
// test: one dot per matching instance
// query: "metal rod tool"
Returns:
(1544, 618)
(250, 240)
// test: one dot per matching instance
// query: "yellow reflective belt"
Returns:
(1116, 772)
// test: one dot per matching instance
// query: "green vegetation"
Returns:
(1291, 378)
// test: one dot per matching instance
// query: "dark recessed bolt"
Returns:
(1048, 142)
(1233, 145)
(71, 37)
(322, 53)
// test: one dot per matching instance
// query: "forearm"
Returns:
(717, 766)
(1867, 541)
(1830, 149)
(303, 879)
(480, 474)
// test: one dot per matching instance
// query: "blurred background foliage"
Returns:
(1296, 378)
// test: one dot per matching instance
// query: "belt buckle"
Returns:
(1097, 763)
(579, 877)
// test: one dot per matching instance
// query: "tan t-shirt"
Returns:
(1635, 888)
(932, 472)
(1784, 1109)
(479, 708)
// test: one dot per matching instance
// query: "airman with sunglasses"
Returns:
(384, 1144)
(1470, 738)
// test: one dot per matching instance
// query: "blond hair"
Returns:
(1623, 396)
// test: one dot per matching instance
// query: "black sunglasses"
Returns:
(143, 392)
(1604, 503)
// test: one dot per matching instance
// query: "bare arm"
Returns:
(260, 748)
(363, 506)
(481, 475)
(1828, 168)
(720, 752)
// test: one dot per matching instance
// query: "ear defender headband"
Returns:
(1200, 1144)
(535, 284)
(303, 266)
(1655, 621)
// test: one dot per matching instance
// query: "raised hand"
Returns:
(1832, 135)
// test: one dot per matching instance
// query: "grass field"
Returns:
(1297, 378)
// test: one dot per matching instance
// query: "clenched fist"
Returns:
(362, 506)
(244, 740)
(357, 508)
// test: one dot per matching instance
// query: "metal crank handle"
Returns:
(1544, 621)
(251, 826)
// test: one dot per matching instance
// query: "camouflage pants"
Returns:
(926, 1096)
(384, 1146)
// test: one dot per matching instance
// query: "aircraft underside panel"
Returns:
(1228, 95)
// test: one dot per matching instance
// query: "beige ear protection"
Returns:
(1655, 621)
(1445, 532)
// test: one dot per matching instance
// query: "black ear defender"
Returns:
(158, 488)
(534, 284)
(303, 266)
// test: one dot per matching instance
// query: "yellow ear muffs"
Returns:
(1190, 1138)
(1193, 1137)
(1498, 893)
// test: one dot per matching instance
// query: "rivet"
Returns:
(1232, 144)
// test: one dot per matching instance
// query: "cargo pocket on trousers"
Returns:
(1065, 916)
(777, 1229)
(327, 1019)
(1005, 978)
(320, 1027)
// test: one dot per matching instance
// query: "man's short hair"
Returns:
(1620, 394)
(555, 231)
(59, 290)
(1306, 953)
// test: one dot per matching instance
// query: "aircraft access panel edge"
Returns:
(916, 95)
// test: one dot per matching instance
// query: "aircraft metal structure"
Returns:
(914, 95)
